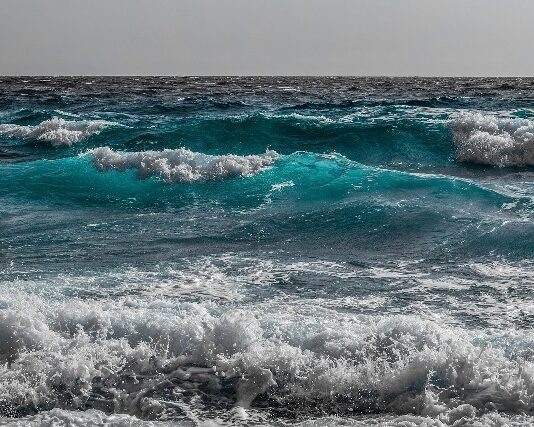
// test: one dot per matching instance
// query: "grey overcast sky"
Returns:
(267, 37)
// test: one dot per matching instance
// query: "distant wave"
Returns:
(492, 140)
(181, 165)
(57, 131)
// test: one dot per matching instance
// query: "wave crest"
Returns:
(491, 140)
(182, 165)
(57, 131)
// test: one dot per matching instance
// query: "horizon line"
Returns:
(274, 76)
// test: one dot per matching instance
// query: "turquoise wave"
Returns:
(298, 177)
(303, 195)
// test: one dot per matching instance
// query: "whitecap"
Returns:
(488, 139)
(56, 131)
(182, 165)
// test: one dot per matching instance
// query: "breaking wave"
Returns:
(492, 140)
(162, 359)
(182, 165)
(56, 131)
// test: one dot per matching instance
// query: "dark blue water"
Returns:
(267, 250)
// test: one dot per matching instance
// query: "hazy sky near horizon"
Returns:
(267, 37)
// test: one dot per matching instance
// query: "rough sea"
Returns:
(266, 251)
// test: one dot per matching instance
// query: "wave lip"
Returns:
(57, 131)
(182, 165)
(492, 140)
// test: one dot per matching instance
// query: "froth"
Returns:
(89, 418)
(161, 358)
(181, 165)
(56, 131)
(492, 140)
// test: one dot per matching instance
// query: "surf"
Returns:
(56, 131)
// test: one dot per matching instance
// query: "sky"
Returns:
(267, 37)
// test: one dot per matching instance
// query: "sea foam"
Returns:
(492, 140)
(153, 358)
(56, 131)
(181, 165)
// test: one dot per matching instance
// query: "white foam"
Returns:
(93, 418)
(56, 131)
(463, 417)
(492, 140)
(146, 354)
(282, 185)
(182, 165)
(89, 418)
(141, 355)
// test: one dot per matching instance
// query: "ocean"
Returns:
(266, 251)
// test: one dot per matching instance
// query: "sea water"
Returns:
(310, 251)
